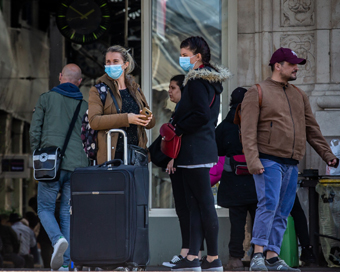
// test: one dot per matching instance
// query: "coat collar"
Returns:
(281, 84)
(208, 74)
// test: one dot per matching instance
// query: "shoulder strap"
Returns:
(212, 102)
(207, 86)
(260, 94)
(102, 95)
(114, 100)
(103, 98)
(237, 118)
(297, 89)
(69, 132)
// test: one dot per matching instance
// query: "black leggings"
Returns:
(238, 216)
(300, 223)
(181, 206)
(203, 216)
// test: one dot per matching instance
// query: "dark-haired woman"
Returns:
(195, 120)
(236, 192)
(182, 210)
(104, 116)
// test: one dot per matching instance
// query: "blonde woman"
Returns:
(104, 116)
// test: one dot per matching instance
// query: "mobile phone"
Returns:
(147, 112)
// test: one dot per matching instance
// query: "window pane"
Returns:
(172, 22)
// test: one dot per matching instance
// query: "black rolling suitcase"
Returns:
(109, 214)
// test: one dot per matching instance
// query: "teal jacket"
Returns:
(50, 122)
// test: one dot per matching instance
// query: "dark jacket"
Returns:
(10, 242)
(234, 190)
(281, 126)
(50, 123)
(195, 119)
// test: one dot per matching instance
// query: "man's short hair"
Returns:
(273, 65)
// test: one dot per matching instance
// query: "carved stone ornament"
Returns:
(297, 12)
(303, 46)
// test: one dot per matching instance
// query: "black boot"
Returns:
(307, 255)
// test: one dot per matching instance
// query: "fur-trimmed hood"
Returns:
(208, 74)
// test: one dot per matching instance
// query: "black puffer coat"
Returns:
(234, 190)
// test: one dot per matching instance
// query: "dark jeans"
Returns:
(203, 216)
(18, 261)
(300, 223)
(238, 216)
(181, 207)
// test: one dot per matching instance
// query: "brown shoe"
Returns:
(234, 264)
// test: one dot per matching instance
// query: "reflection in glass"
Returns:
(172, 22)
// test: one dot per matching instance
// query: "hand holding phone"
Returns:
(147, 112)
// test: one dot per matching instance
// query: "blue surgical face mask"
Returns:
(184, 62)
(114, 71)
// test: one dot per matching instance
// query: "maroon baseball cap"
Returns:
(286, 54)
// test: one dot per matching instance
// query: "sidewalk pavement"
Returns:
(162, 268)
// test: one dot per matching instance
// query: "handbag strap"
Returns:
(207, 86)
(69, 132)
(211, 103)
(212, 100)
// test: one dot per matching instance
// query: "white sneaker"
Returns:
(57, 259)
(62, 268)
(175, 259)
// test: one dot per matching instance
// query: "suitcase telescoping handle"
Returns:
(109, 144)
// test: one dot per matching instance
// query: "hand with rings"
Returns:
(170, 169)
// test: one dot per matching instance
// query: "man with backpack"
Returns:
(50, 123)
(276, 122)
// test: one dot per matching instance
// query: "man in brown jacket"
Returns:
(274, 134)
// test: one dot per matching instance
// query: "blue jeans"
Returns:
(276, 190)
(47, 196)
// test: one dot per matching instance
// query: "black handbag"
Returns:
(156, 154)
(137, 155)
(47, 160)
